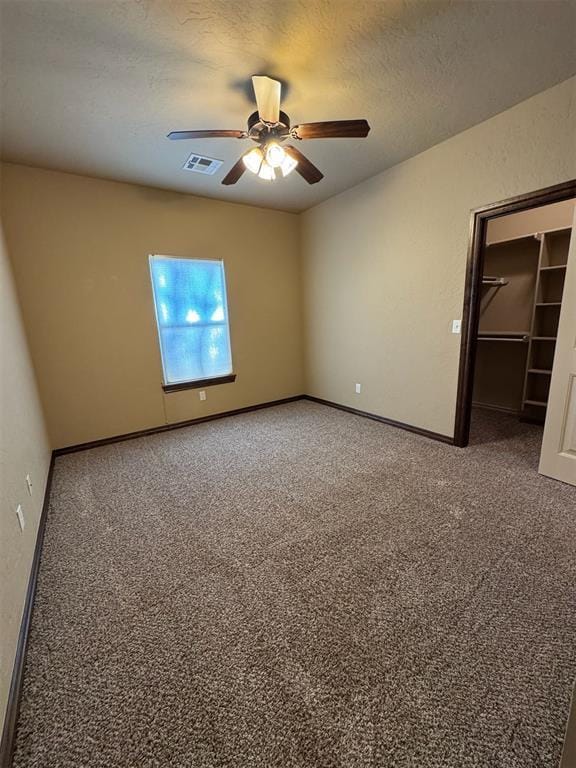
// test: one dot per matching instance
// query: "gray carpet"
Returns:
(303, 588)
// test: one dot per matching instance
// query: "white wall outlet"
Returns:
(202, 394)
(456, 326)
(20, 516)
(358, 388)
(29, 484)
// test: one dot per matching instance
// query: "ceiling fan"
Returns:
(269, 127)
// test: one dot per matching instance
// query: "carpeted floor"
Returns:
(303, 588)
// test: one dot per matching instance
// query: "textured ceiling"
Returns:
(93, 86)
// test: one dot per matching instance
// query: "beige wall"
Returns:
(384, 262)
(80, 251)
(382, 278)
(24, 450)
(543, 219)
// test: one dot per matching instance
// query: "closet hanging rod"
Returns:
(504, 336)
(494, 281)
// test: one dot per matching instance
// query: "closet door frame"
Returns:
(479, 218)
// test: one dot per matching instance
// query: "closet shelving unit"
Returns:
(552, 262)
(522, 291)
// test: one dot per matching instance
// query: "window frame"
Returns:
(191, 383)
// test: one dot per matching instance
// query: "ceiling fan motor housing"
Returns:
(261, 131)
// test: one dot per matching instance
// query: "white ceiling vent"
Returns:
(199, 164)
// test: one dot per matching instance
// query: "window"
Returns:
(192, 319)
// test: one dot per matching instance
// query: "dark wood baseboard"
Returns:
(496, 409)
(248, 409)
(13, 706)
(168, 427)
(391, 422)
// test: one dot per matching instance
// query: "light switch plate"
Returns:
(20, 516)
(456, 326)
(29, 484)
(202, 394)
(358, 388)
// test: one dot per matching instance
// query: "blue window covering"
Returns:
(192, 318)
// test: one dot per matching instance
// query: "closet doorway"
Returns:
(518, 332)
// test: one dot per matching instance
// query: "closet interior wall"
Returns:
(524, 266)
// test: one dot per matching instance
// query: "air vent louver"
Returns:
(199, 164)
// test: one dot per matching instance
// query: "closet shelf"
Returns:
(552, 267)
(540, 371)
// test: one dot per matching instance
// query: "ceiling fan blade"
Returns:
(332, 129)
(235, 172)
(267, 92)
(305, 168)
(217, 134)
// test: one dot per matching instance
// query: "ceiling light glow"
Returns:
(253, 159)
(266, 172)
(265, 164)
(275, 154)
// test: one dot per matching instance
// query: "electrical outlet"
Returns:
(456, 326)
(29, 484)
(20, 516)
(202, 394)
(358, 388)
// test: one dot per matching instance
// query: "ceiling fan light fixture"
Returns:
(268, 127)
(253, 160)
(266, 172)
(288, 165)
(275, 154)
